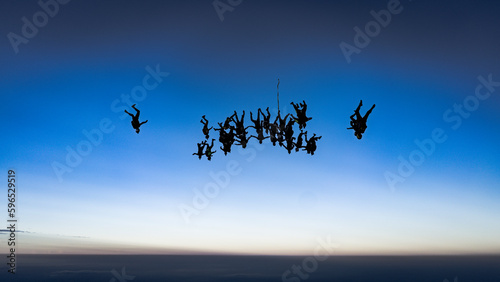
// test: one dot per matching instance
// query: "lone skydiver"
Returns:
(135, 119)
(359, 124)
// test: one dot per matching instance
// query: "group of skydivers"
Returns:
(280, 131)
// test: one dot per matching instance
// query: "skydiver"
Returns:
(273, 130)
(289, 129)
(257, 122)
(265, 119)
(289, 145)
(359, 124)
(135, 119)
(298, 144)
(206, 130)
(301, 118)
(201, 146)
(242, 139)
(239, 126)
(311, 144)
(208, 151)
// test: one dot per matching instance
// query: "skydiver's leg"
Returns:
(137, 114)
(356, 112)
(369, 112)
(204, 120)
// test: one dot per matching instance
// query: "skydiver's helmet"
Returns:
(137, 130)
(358, 135)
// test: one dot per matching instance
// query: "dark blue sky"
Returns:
(418, 70)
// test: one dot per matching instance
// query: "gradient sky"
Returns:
(125, 196)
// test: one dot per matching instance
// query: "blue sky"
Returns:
(125, 195)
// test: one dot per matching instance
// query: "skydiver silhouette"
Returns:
(359, 124)
(289, 145)
(258, 124)
(301, 118)
(265, 119)
(289, 129)
(208, 151)
(200, 152)
(242, 139)
(226, 138)
(239, 126)
(206, 130)
(282, 121)
(259, 127)
(280, 126)
(298, 144)
(135, 119)
(311, 144)
(273, 130)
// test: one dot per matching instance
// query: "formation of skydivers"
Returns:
(280, 131)
(233, 130)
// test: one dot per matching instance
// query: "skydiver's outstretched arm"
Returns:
(129, 114)
(143, 122)
(251, 117)
(220, 127)
(259, 112)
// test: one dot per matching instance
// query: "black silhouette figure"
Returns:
(208, 151)
(239, 126)
(280, 126)
(200, 152)
(265, 119)
(258, 124)
(289, 129)
(290, 145)
(242, 140)
(359, 124)
(226, 138)
(311, 144)
(206, 130)
(282, 121)
(298, 144)
(273, 131)
(135, 119)
(301, 118)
